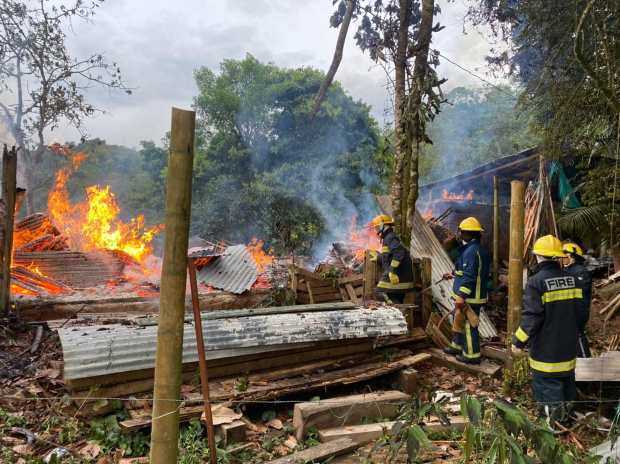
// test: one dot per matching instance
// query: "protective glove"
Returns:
(459, 303)
(394, 280)
(447, 276)
(373, 255)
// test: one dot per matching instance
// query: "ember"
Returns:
(450, 196)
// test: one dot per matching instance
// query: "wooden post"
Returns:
(426, 266)
(9, 188)
(515, 265)
(370, 276)
(165, 429)
(202, 360)
(495, 232)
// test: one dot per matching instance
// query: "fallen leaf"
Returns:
(275, 424)
(291, 442)
(25, 450)
(90, 450)
(222, 415)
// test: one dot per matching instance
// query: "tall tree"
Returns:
(566, 55)
(397, 34)
(41, 83)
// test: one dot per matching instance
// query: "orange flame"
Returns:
(261, 258)
(362, 239)
(93, 224)
(450, 196)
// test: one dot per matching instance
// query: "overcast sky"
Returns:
(158, 44)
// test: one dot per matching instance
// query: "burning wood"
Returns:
(32, 282)
(46, 242)
(451, 196)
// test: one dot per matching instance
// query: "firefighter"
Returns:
(395, 261)
(470, 292)
(552, 309)
(574, 264)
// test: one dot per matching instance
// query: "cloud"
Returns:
(158, 46)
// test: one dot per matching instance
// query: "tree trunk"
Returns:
(417, 125)
(400, 138)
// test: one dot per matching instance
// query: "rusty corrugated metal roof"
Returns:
(425, 244)
(235, 271)
(98, 350)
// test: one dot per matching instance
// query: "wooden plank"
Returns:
(346, 410)
(494, 352)
(224, 390)
(366, 433)
(426, 271)
(370, 276)
(602, 369)
(319, 453)
(231, 433)
(303, 287)
(310, 295)
(355, 279)
(325, 298)
(485, 367)
(351, 293)
(408, 381)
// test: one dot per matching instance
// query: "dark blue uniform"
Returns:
(470, 282)
(552, 313)
(394, 258)
(583, 281)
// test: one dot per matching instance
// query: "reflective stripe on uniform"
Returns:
(395, 263)
(479, 279)
(385, 249)
(391, 286)
(455, 346)
(470, 344)
(458, 273)
(521, 335)
(471, 356)
(476, 301)
(564, 366)
(561, 295)
(465, 290)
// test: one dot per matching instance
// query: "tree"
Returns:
(398, 33)
(263, 169)
(41, 83)
(570, 72)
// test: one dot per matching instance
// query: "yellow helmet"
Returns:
(382, 219)
(572, 248)
(548, 246)
(471, 224)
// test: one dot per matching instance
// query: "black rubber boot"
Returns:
(451, 351)
(463, 359)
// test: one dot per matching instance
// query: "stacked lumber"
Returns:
(313, 287)
(30, 281)
(73, 268)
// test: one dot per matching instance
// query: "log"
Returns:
(608, 307)
(231, 433)
(346, 410)
(366, 433)
(484, 368)
(408, 381)
(9, 191)
(319, 453)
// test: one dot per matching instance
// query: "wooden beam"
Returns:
(9, 190)
(370, 276)
(495, 232)
(515, 265)
(485, 367)
(426, 271)
(319, 453)
(346, 410)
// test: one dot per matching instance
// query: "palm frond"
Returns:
(583, 222)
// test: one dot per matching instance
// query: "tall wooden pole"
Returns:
(165, 429)
(515, 265)
(9, 188)
(495, 231)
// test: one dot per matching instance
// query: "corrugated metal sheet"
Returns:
(425, 244)
(101, 350)
(235, 271)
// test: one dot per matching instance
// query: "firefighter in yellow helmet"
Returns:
(471, 277)
(574, 264)
(552, 311)
(395, 261)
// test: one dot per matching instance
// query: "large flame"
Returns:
(362, 239)
(94, 224)
(261, 258)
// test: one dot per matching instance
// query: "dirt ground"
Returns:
(37, 416)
